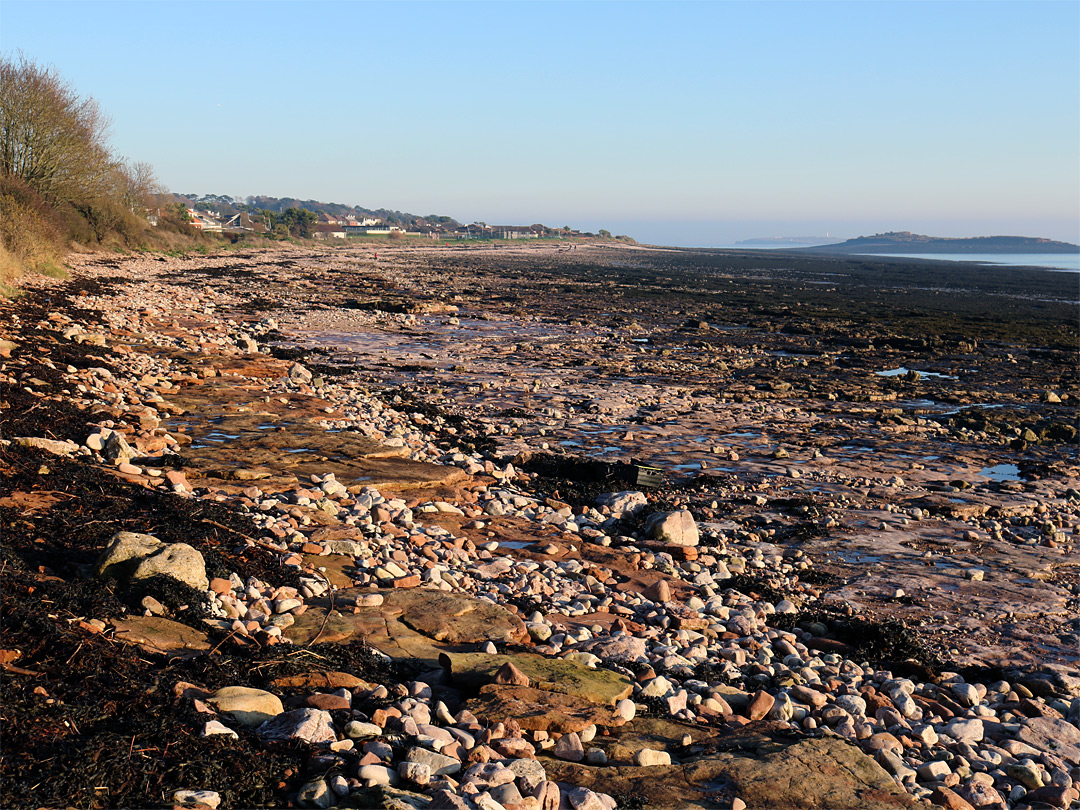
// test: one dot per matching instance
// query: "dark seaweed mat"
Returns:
(114, 736)
(94, 505)
(889, 643)
(116, 723)
(467, 436)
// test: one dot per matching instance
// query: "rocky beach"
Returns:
(537, 528)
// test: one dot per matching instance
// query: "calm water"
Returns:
(1051, 261)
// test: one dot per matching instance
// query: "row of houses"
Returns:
(213, 223)
(330, 227)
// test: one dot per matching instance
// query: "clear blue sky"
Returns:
(683, 123)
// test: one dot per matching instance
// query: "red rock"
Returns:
(569, 748)
(311, 548)
(647, 673)
(875, 702)
(1033, 708)
(933, 706)
(810, 696)
(321, 680)
(175, 477)
(514, 748)
(412, 581)
(687, 553)
(380, 716)
(943, 797)
(511, 675)
(759, 705)
(454, 750)
(1054, 795)
(220, 586)
(659, 591)
(326, 702)
(482, 753)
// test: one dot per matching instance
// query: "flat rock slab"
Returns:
(805, 775)
(660, 733)
(333, 567)
(157, 635)
(1060, 737)
(29, 503)
(321, 680)
(540, 710)
(453, 618)
(409, 624)
(432, 626)
(602, 686)
(267, 440)
(331, 626)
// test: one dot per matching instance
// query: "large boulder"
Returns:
(130, 556)
(674, 528)
(621, 504)
(312, 726)
(249, 707)
(177, 560)
(115, 448)
(622, 648)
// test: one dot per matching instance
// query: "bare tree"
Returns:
(139, 187)
(51, 138)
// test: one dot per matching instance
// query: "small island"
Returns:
(907, 242)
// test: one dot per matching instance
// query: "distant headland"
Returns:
(907, 242)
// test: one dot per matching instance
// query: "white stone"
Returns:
(417, 772)
(194, 797)
(372, 775)
(965, 730)
(677, 528)
(648, 757)
(214, 727)
(357, 730)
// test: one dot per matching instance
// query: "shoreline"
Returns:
(400, 484)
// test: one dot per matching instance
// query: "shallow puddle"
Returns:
(1001, 472)
(897, 372)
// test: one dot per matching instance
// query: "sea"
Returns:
(1067, 262)
(1063, 262)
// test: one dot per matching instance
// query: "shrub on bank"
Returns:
(31, 232)
(60, 184)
